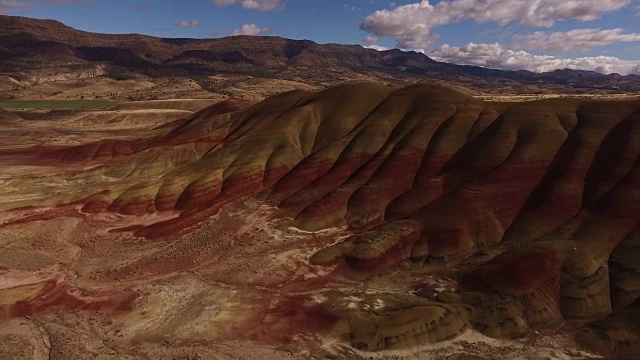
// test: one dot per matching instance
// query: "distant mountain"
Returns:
(33, 49)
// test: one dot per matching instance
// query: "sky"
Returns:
(534, 35)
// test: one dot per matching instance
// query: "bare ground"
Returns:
(238, 287)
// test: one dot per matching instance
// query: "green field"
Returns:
(57, 104)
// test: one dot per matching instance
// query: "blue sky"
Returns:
(537, 35)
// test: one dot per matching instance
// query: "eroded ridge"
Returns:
(531, 208)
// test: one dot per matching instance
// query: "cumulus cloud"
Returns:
(188, 23)
(497, 56)
(249, 29)
(573, 41)
(411, 24)
(263, 5)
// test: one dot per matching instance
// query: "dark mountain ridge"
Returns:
(29, 46)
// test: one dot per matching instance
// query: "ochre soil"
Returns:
(359, 221)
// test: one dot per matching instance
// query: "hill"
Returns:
(45, 58)
(376, 217)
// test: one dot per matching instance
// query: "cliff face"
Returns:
(533, 207)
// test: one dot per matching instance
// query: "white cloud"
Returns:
(13, 5)
(351, 7)
(371, 40)
(263, 5)
(188, 23)
(249, 29)
(573, 41)
(377, 47)
(411, 24)
(499, 57)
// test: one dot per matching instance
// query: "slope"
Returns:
(532, 207)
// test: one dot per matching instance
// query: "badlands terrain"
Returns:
(359, 221)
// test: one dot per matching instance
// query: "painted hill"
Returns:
(533, 208)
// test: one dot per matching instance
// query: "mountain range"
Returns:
(35, 51)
